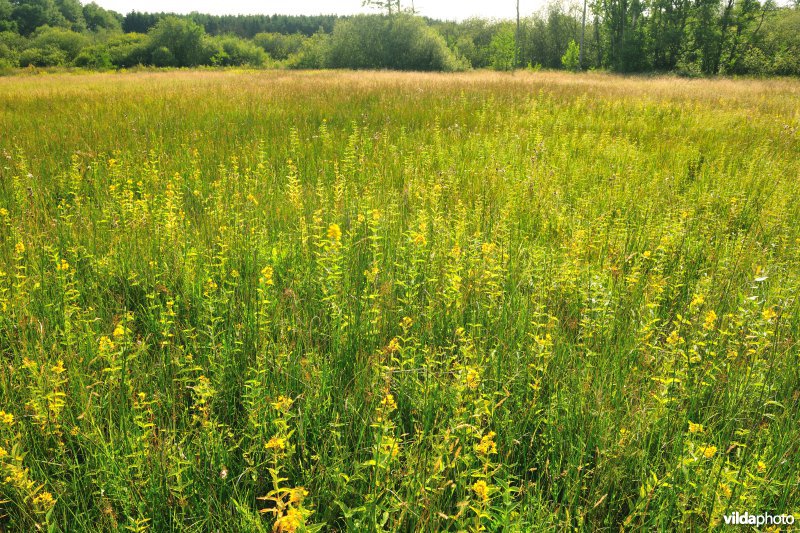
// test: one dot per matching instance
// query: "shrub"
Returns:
(183, 39)
(233, 51)
(94, 57)
(400, 42)
(129, 50)
(68, 41)
(49, 56)
(278, 45)
(502, 49)
(163, 57)
(313, 53)
(571, 60)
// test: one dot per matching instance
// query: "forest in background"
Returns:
(689, 37)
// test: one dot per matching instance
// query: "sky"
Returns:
(439, 9)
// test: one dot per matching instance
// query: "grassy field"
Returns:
(271, 301)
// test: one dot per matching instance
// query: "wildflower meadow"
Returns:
(332, 301)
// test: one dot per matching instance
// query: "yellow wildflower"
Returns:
(119, 331)
(695, 428)
(473, 378)
(487, 445)
(6, 418)
(697, 301)
(282, 403)
(19, 248)
(481, 490)
(266, 275)
(762, 467)
(710, 320)
(276, 443)
(290, 522)
(44, 501)
(709, 451)
(768, 314)
(334, 232)
(388, 402)
(297, 495)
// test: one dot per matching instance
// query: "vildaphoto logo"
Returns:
(764, 519)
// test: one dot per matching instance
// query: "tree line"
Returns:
(692, 37)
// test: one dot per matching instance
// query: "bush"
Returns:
(571, 60)
(49, 56)
(313, 53)
(400, 42)
(129, 50)
(163, 57)
(68, 41)
(278, 45)
(94, 57)
(501, 55)
(233, 51)
(183, 39)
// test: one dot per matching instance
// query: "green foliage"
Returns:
(233, 51)
(28, 15)
(313, 53)
(178, 42)
(400, 42)
(278, 45)
(571, 58)
(48, 56)
(67, 41)
(98, 19)
(129, 50)
(502, 49)
(95, 57)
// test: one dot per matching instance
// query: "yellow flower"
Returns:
(282, 404)
(6, 418)
(473, 378)
(62, 266)
(266, 275)
(768, 314)
(697, 301)
(419, 239)
(105, 345)
(297, 495)
(674, 338)
(19, 248)
(388, 402)
(252, 199)
(695, 428)
(119, 331)
(487, 445)
(762, 467)
(709, 451)
(276, 443)
(334, 232)
(710, 320)
(44, 501)
(3, 212)
(481, 490)
(290, 522)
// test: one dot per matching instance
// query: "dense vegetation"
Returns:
(397, 302)
(695, 37)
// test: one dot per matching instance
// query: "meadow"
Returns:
(330, 301)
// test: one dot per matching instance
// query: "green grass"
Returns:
(242, 301)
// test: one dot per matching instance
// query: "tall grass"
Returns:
(326, 301)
